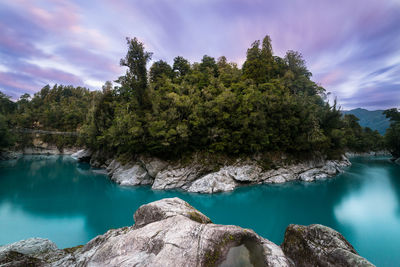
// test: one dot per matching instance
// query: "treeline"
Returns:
(60, 108)
(269, 105)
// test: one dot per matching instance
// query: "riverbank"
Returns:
(198, 177)
(170, 232)
(35, 150)
(368, 154)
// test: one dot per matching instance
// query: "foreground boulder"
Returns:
(170, 232)
(318, 245)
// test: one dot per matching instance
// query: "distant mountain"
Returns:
(373, 119)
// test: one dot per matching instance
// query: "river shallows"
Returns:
(68, 202)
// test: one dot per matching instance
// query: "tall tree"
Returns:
(392, 136)
(134, 83)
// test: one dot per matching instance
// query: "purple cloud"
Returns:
(350, 46)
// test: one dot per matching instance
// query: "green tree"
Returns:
(134, 83)
(159, 70)
(392, 136)
(6, 139)
(181, 66)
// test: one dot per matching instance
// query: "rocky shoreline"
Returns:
(196, 177)
(368, 154)
(48, 150)
(170, 232)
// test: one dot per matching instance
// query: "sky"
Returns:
(352, 47)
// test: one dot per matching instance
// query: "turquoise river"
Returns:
(58, 198)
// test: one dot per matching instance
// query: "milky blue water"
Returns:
(68, 202)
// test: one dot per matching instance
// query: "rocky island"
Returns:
(170, 232)
(197, 177)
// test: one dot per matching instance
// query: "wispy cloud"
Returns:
(352, 47)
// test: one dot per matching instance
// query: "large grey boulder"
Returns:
(170, 232)
(31, 246)
(245, 173)
(177, 176)
(318, 245)
(130, 174)
(220, 181)
(306, 171)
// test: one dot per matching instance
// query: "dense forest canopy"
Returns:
(269, 105)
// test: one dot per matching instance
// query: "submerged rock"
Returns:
(170, 232)
(318, 245)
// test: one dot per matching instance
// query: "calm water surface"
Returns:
(68, 202)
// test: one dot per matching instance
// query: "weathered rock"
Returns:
(201, 177)
(170, 232)
(312, 175)
(153, 165)
(245, 173)
(306, 171)
(83, 155)
(16, 259)
(278, 179)
(35, 250)
(318, 245)
(95, 159)
(177, 177)
(31, 246)
(130, 175)
(166, 208)
(220, 181)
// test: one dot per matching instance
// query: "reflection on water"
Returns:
(68, 202)
(370, 213)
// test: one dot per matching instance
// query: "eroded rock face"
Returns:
(153, 165)
(318, 245)
(220, 181)
(177, 177)
(83, 155)
(129, 175)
